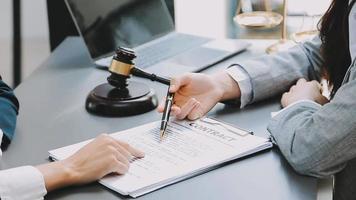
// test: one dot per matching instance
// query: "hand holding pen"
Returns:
(196, 94)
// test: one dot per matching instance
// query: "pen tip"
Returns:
(161, 133)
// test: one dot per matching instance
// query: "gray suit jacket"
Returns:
(319, 141)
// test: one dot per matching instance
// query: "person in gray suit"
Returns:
(316, 136)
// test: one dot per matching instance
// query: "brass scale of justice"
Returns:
(269, 19)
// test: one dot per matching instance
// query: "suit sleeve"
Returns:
(9, 107)
(318, 140)
(272, 75)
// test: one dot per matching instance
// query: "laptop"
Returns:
(147, 27)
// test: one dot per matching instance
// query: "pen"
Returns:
(166, 113)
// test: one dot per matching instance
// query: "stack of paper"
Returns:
(189, 148)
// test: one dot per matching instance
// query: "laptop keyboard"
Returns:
(166, 48)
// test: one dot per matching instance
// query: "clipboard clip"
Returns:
(228, 127)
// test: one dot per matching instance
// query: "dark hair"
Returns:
(334, 34)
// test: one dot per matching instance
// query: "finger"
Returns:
(123, 159)
(136, 152)
(119, 156)
(133, 151)
(175, 110)
(123, 151)
(179, 82)
(121, 168)
(292, 89)
(285, 95)
(284, 99)
(301, 81)
(186, 108)
(197, 112)
(161, 105)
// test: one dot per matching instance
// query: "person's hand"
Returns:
(196, 94)
(104, 155)
(304, 90)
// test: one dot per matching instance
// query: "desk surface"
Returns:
(52, 115)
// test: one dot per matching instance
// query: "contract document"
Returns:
(188, 149)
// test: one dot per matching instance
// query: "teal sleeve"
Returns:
(9, 107)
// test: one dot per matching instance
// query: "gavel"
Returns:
(120, 97)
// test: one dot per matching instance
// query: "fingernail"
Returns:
(171, 88)
(195, 116)
(141, 154)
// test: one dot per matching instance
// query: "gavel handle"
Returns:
(153, 77)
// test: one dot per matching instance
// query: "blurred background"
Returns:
(35, 41)
(213, 18)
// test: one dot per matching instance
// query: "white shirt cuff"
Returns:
(22, 183)
(274, 114)
(244, 81)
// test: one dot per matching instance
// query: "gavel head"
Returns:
(120, 67)
(117, 97)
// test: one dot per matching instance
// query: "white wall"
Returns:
(5, 17)
(34, 16)
(34, 33)
(5, 33)
(206, 18)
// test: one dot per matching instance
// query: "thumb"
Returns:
(178, 82)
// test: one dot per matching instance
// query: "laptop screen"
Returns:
(108, 24)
